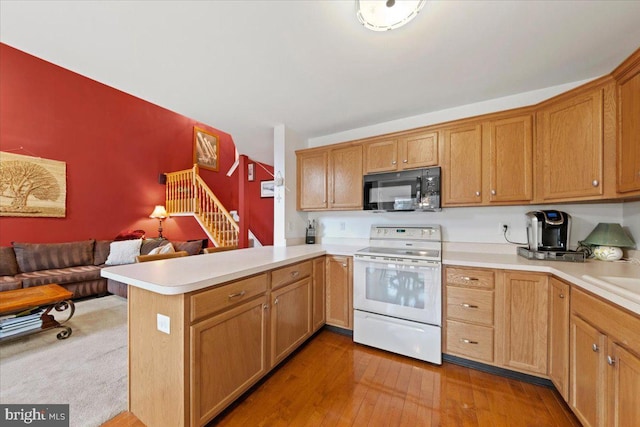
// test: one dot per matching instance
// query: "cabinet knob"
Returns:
(344, 265)
(477, 193)
(561, 296)
(595, 183)
(595, 347)
(493, 192)
(405, 161)
(265, 306)
(295, 273)
(394, 162)
(275, 301)
(611, 361)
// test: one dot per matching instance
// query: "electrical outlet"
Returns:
(343, 226)
(164, 323)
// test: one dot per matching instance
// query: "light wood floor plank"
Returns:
(333, 382)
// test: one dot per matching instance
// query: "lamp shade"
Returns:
(159, 212)
(383, 15)
(609, 234)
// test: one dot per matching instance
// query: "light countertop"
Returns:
(188, 274)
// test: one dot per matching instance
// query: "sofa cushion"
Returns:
(150, 244)
(60, 275)
(192, 247)
(101, 252)
(123, 252)
(47, 256)
(164, 249)
(8, 263)
(9, 283)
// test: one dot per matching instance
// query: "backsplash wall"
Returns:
(476, 225)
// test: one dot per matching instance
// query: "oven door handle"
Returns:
(397, 261)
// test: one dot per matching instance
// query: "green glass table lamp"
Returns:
(608, 238)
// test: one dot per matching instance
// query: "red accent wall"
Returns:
(260, 209)
(114, 144)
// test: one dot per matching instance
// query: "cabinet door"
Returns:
(572, 146)
(312, 180)
(345, 166)
(624, 374)
(339, 283)
(319, 294)
(419, 151)
(228, 355)
(559, 336)
(525, 321)
(381, 156)
(511, 164)
(290, 318)
(462, 177)
(629, 135)
(588, 369)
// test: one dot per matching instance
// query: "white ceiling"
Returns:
(244, 66)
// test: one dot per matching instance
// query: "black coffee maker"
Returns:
(548, 230)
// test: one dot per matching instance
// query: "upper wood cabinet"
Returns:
(312, 179)
(511, 159)
(330, 178)
(570, 136)
(409, 151)
(628, 147)
(462, 165)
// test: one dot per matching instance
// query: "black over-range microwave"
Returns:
(409, 190)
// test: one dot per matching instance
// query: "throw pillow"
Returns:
(164, 249)
(123, 252)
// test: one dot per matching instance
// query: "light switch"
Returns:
(164, 323)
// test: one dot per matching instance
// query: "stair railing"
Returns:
(187, 193)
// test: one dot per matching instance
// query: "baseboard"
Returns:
(507, 373)
(338, 330)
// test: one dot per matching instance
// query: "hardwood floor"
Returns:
(333, 382)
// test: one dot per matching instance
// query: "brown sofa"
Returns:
(73, 265)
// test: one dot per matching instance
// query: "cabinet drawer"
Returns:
(470, 305)
(471, 341)
(285, 275)
(228, 295)
(470, 277)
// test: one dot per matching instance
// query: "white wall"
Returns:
(289, 224)
(631, 220)
(465, 224)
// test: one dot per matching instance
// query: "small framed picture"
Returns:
(267, 188)
(205, 149)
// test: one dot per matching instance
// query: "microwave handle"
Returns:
(419, 189)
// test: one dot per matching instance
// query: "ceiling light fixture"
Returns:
(384, 15)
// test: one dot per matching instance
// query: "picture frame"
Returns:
(206, 149)
(267, 188)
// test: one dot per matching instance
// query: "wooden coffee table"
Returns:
(47, 297)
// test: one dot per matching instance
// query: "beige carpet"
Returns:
(88, 370)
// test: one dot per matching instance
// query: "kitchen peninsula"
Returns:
(231, 317)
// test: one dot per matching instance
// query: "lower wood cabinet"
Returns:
(319, 294)
(559, 298)
(290, 318)
(605, 362)
(497, 317)
(222, 340)
(524, 325)
(339, 283)
(228, 355)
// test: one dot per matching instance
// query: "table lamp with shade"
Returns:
(608, 238)
(159, 213)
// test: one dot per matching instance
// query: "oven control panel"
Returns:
(410, 232)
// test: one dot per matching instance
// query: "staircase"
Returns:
(187, 194)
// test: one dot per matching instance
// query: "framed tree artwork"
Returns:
(206, 149)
